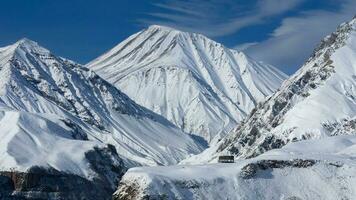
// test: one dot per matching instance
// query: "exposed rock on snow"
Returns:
(250, 170)
(196, 83)
(41, 183)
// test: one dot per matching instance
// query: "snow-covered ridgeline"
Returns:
(316, 102)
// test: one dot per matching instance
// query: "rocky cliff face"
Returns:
(44, 184)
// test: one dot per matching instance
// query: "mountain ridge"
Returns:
(39, 82)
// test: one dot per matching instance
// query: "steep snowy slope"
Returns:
(55, 144)
(315, 169)
(35, 81)
(318, 101)
(196, 83)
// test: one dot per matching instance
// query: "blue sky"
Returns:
(279, 32)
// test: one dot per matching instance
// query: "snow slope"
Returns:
(43, 89)
(42, 150)
(318, 101)
(197, 84)
(314, 169)
(29, 139)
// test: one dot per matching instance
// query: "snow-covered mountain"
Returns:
(315, 169)
(196, 83)
(45, 90)
(319, 100)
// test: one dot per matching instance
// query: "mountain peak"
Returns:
(173, 31)
(19, 49)
(161, 27)
(26, 43)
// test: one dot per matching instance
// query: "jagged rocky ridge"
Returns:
(56, 114)
(196, 83)
(316, 102)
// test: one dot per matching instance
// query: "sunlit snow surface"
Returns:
(29, 140)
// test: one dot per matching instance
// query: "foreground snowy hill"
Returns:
(319, 100)
(198, 84)
(315, 169)
(39, 151)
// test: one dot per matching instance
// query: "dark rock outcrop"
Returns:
(131, 191)
(39, 183)
(250, 170)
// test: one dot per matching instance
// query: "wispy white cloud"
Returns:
(287, 47)
(294, 40)
(242, 47)
(216, 17)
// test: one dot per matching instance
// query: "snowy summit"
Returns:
(198, 84)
